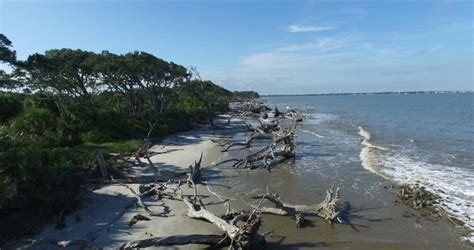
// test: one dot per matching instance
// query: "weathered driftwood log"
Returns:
(140, 201)
(247, 143)
(244, 237)
(144, 152)
(213, 240)
(197, 212)
(254, 106)
(51, 244)
(195, 174)
(136, 218)
(300, 220)
(293, 115)
(100, 154)
(268, 126)
(326, 209)
(281, 148)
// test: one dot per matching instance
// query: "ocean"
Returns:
(407, 139)
(366, 144)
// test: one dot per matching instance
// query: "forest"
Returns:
(58, 107)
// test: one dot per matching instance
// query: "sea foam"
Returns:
(453, 185)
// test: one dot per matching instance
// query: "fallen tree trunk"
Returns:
(326, 209)
(51, 244)
(244, 237)
(175, 240)
(197, 212)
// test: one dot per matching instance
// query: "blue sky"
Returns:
(272, 47)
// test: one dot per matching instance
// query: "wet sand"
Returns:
(368, 223)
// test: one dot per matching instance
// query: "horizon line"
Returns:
(375, 93)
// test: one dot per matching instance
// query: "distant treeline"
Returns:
(243, 95)
(58, 106)
(380, 93)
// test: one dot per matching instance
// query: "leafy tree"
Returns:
(65, 73)
(8, 57)
(7, 54)
(79, 98)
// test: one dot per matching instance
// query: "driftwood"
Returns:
(247, 142)
(51, 244)
(136, 218)
(195, 172)
(100, 155)
(281, 149)
(213, 240)
(326, 209)
(254, 106)
(417, 197)
(244, 237)
(300, 220)
(197, 212)
(292, 115)
(276, 113)
(268, 126)
(141, 203)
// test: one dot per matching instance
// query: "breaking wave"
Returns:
(453, 185)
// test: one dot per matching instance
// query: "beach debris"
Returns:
(140, 201)
(282, 141)
(247, 143)
(248, 108)
(455, 221)
(175, 240)
(195, 172)
(243, 237)
(50, 244)
(281, 148)
(327, 209)
(417, 196)
(101, 156)
(136, 218)
(300, 220)
(257, 109)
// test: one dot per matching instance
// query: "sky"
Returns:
(273, 47)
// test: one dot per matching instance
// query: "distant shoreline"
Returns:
(380, 93)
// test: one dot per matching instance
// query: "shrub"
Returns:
(10, 106)
(34, 122)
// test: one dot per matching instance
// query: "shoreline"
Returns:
(104, 218)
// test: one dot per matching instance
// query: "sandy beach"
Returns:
(104, 216)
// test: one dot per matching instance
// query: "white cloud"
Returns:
(298, 28)
(341, 63)
(320, 45)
